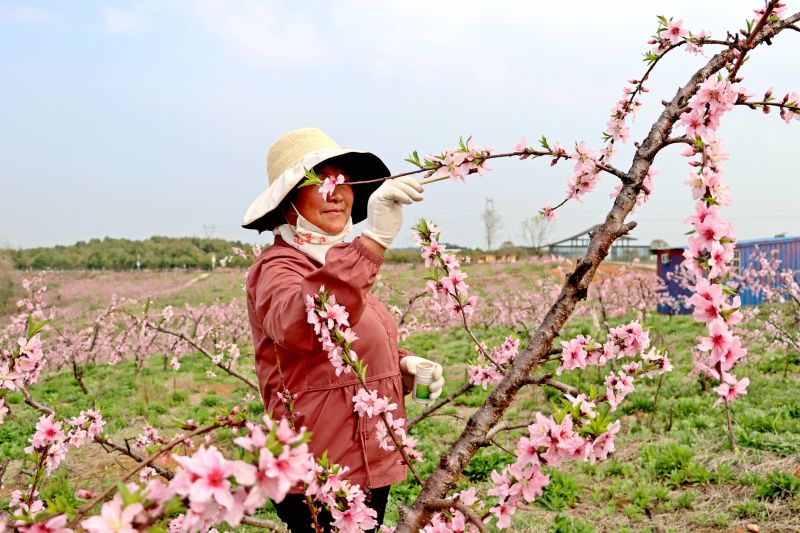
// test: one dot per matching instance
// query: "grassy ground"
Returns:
(673, 469)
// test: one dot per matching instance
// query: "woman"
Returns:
(309, 252)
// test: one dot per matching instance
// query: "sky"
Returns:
(154, 117)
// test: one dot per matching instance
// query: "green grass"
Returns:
(673, 468)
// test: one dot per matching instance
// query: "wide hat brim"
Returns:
(263, 213)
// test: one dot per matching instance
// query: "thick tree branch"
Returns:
(575, 288)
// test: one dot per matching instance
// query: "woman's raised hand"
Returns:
(385, 208)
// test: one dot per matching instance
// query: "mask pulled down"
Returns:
(310, 239)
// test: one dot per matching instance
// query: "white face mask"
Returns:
(310, 239)
(304, 224)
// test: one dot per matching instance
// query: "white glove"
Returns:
(385, 208)
(408, 366)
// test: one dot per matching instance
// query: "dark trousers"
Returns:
(294, 511)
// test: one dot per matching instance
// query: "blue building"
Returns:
(668, 260)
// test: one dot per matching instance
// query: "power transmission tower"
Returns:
(491, 223)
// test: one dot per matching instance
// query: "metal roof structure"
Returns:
(582, 239)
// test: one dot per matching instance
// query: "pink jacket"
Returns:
(277, 284)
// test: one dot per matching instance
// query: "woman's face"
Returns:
(329, 215)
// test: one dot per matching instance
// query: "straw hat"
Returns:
(302, 149)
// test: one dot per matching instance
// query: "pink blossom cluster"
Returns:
(616, 128)
(483, 372)
(330, 322)
(672, 33)
(367, 403)
(389, 427)
(778, 10)
(556, 438)
(779, 290)
(33, 303)
(586, 172)
(329, 184)
(790, 108)
(149, 437)
(52, 439)
(212, 488)
(712, 242)
(628, 340)
(222, 349)
(345, 500)
(454, 520)
(22, 365)
(715, 97)
(548, 442)
(448, 288)
(134, 509)
(456, 163)
(28, 515)
(255, 251)
(216, 489)
(582, 351)
(206, 480)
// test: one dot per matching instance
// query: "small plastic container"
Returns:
(422, 382)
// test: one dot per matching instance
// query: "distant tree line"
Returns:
(155, 253)
(165, 253)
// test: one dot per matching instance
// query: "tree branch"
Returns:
(46, 409)
(202, 350)
(124, 450)
(466, 387)
(575, 288)
(468, 512)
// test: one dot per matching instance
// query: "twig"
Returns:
(155, 455)
(125, 450)
(3, 468)
(730, 424)
(753, 105)
(202, 350)
(466, 387)
(36, 405)
(468, 512)
(277, 527)
(563, 387)
(748, 44)
(655, 402)
(411, 302)
(509, 452)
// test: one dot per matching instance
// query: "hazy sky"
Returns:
(132, 119)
